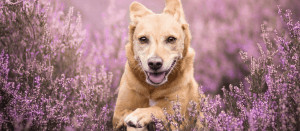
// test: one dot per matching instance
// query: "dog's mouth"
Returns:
(157, 78)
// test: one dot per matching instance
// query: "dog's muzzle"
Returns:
(159, 77)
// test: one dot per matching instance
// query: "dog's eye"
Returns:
(143, 40)
(171, 39)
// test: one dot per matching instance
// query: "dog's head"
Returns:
(158, 41)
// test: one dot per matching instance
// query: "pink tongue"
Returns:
(157, 78)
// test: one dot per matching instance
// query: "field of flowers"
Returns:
(60, 70)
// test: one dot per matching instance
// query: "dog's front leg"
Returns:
(128, 101)
(141, 117)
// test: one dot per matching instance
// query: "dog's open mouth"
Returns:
(159, 77)
(156, 77)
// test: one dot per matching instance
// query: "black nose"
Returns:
(155, 63)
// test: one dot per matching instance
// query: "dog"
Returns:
(159, 67)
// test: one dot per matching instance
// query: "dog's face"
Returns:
(158, 41)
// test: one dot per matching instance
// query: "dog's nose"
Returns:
(155, 63)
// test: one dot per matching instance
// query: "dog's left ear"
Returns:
(174, 8)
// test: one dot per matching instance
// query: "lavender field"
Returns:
(61, 63)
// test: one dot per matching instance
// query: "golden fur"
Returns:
(133, 105)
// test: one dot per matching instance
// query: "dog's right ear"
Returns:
(137, 11)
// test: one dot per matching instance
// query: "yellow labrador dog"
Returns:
(159, 69)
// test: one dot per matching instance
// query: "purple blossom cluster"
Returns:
(43, 86)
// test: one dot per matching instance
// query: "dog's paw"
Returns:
(138, 118)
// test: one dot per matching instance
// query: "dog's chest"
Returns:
(152, 102)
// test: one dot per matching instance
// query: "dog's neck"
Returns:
(178, 78)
